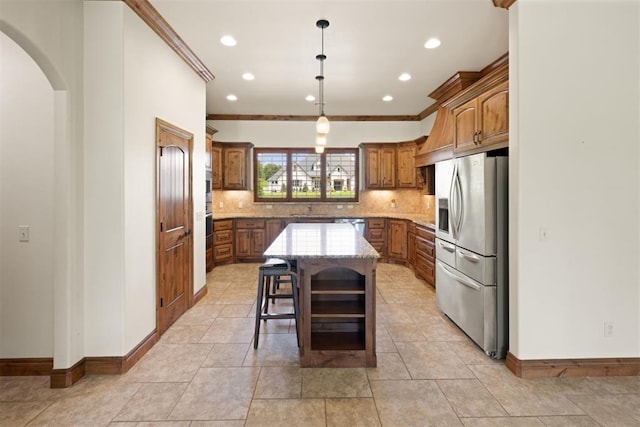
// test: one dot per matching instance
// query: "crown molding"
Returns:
(299, 118)
(157, 23)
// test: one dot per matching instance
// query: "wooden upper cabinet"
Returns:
(235, 166)
(207, 151)
(406, 175)
(493, 108)
(379, 166)
(216, 166)
(465, 127)
(482, 123)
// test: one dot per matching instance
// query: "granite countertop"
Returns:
(300, 240)
(416, 218)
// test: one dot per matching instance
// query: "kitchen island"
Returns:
(337, 280)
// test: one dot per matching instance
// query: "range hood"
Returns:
(439, 144)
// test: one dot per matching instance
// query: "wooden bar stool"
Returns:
(273, 272)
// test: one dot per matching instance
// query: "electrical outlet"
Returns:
(221, 205)
(339, 207)
(269, 206)
(349, 206)
(608, 329)
(240, 205)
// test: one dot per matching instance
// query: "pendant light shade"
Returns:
(321, 138)
(322, 125)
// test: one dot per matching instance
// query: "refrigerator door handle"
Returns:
(452, 203)
(448, 248)
(459, 202)
(471, 257)
(457, 278)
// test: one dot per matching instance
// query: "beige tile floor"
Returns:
(205, 372)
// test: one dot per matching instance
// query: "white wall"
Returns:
(50, 32)
(300, 134)
(157, 83)
(574, 163)
(131, 77)
(26, 198)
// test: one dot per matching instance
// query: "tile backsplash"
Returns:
(372, 202)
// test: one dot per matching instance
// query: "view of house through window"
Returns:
(301, 174)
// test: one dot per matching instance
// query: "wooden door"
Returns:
(174, 285)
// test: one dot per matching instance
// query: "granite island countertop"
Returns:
(301, 240)
(415, 218)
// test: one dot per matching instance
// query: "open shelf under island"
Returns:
(337, 279)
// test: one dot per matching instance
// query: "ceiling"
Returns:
(368, 44)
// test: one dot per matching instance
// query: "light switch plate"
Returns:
(23, 233)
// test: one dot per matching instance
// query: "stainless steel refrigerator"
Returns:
(472, 248)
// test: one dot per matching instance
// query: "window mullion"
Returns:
(289, 176)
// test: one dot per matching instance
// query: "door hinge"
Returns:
(161, 226)
(161, 149)
(161, 302)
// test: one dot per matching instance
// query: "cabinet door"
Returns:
(207, 149)
(257, 243)
(407, 166)
(411, 243)
(388, 167)
(397, 239)
(493, 108)
(235, 168)
(372, 168)
(273, 228)
(243, 243)
(216, 167)
(464, 119)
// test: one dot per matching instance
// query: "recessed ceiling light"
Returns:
(248, 76)
(228, 41)
(404, 77)
(310, 98)
(387, 98)
(432, 43)
(232, 97)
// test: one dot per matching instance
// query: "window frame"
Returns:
(289, 152)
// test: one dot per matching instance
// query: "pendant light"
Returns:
(322, 125)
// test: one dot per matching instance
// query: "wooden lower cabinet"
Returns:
(397, 249)
(250, 240)
(411, 245)
(425, 254)
(375, 233)
(273, 227)
(222, 241)
(337, 301)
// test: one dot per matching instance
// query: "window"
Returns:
(298, 174)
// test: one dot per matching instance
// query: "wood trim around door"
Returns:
(162, 125)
